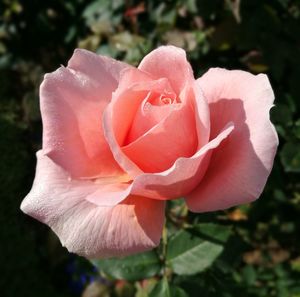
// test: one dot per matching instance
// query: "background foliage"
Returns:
(252, 250)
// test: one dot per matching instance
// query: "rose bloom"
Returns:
(120, 141)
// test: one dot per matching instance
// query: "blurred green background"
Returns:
(261, 256)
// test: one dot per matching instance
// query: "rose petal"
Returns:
(182, 177)
(111, 190)
(238, 171)
(85, 228)
(185, 174)
(133, 89)
(161, 146)
(120, 113)
(169, 62)
(72, 102)
(146, 117)
(194, 93)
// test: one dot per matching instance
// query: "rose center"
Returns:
(166, 100)
(161, 99)
(153, 109)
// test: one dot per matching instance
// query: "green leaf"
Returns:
(125, 41)
(297, 129)
(192, 251)
(162, 289)
(282, 114)
(131, 268)
(178, 292)
(95, 8)
(249, 275)
(290, 157)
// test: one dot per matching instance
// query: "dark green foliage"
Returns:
(164, 289)
(250, 251)
(193, 250)
(132, 268)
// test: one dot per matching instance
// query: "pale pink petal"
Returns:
(170, 139)
(169, 62)
(194, 94)
(124, 162)
(99, 68)
(109, 194)
(120, 113)
(111, 190)
(239, 169)
(146, 117)
(132, 76)
(133, 89)
(85, 228)
(186, 173)
(72, 103)
(183, 176)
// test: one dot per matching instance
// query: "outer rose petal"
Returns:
(238, 171)
(170, 62)
(72, 103)
(85, 228)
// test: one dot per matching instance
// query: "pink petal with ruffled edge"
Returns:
(72, 103)
(169, 62)
(85, 228)
(182, 177)
(239, 169)
(120, 113)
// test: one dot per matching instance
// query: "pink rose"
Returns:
(119, 141)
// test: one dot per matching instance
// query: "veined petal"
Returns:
(169, 62)
(238, 171)
(85, 228)
(72, 102)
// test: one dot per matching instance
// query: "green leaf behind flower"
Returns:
(192, 251)
(132, 268)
